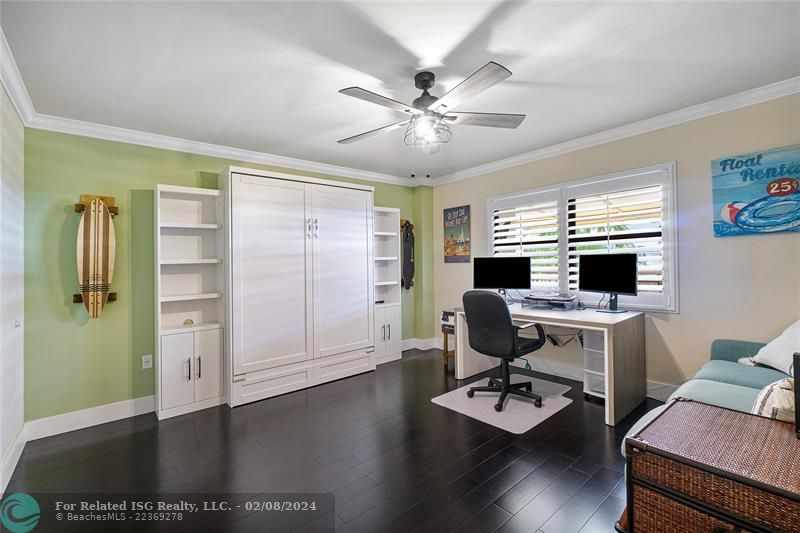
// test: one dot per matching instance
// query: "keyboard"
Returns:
(551, 295)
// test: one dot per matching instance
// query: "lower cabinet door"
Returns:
(380, 333)
(176, 367)
(208, 364)
(394, 330)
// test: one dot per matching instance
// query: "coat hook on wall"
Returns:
(96, 247)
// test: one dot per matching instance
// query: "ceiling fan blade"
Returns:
(369, 96)
(488, 75)
(368, 134)
(491, 120)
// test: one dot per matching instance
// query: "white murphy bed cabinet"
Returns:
(189, 311)
(388, 260)
(299, 269)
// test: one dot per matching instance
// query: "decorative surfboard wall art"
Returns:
(96, 245)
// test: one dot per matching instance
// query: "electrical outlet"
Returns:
(147, 362)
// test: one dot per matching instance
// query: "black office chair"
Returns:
(493, 333)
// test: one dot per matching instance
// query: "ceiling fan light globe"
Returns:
(427, 131)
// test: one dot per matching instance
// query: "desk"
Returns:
(624, 351)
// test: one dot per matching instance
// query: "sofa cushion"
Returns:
(754, 377)
(720, 394)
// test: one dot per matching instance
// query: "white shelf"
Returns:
(189, 226)
(191, 261)
(196, 191)
(191, 297)
(386, 259)
(387, 233)
(385, 283)
(386, 304)
(190, 328)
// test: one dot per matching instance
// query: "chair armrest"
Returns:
(524, 325)
(539, 332)
(732, 350)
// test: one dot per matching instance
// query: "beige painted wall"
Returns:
(736, 287)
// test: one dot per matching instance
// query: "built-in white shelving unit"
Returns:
(388, 311)
(189, 245)
(189, 226)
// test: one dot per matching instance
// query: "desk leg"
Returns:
(468, 361)
(626, 382)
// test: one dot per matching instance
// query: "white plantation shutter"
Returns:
(530, 230)
(628, 212)
(628, 221)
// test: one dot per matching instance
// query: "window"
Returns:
(622, 213)
(530, 230)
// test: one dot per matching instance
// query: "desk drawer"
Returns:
(593, 340)
(594, 361)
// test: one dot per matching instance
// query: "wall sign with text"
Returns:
(757, 192)
(457, 234)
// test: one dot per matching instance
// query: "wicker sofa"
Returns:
(722, 381)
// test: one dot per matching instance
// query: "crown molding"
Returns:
(12, 82)
(713, 107)
(15, 87)
(154, 140)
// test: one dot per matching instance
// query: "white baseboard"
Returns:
(419, 344)
(660, 391)
(9, 462)
(57, 424)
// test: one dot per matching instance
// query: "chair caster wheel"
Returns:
(537, 403)
(470, 393)
(498, 407)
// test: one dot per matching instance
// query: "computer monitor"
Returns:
(608, 273)
(501, 273)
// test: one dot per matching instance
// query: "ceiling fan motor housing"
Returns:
(424, 80)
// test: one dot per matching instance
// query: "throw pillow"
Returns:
(776, 400)
(779, 352)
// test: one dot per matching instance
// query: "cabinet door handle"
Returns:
(308, 229)
(189, 373)
(316, 228)
(199, 367)
(389, 326)
(383, 332)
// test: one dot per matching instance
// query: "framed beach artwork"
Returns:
(757, 192)
(457, 234)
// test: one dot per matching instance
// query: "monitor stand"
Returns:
(612, 305)
(506, 297)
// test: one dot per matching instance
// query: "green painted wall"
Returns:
(72, 362)
(423, 273)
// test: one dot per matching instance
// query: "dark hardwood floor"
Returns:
(393, 460)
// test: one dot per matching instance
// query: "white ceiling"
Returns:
(264, 76)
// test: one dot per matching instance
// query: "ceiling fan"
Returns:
(429, 124)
